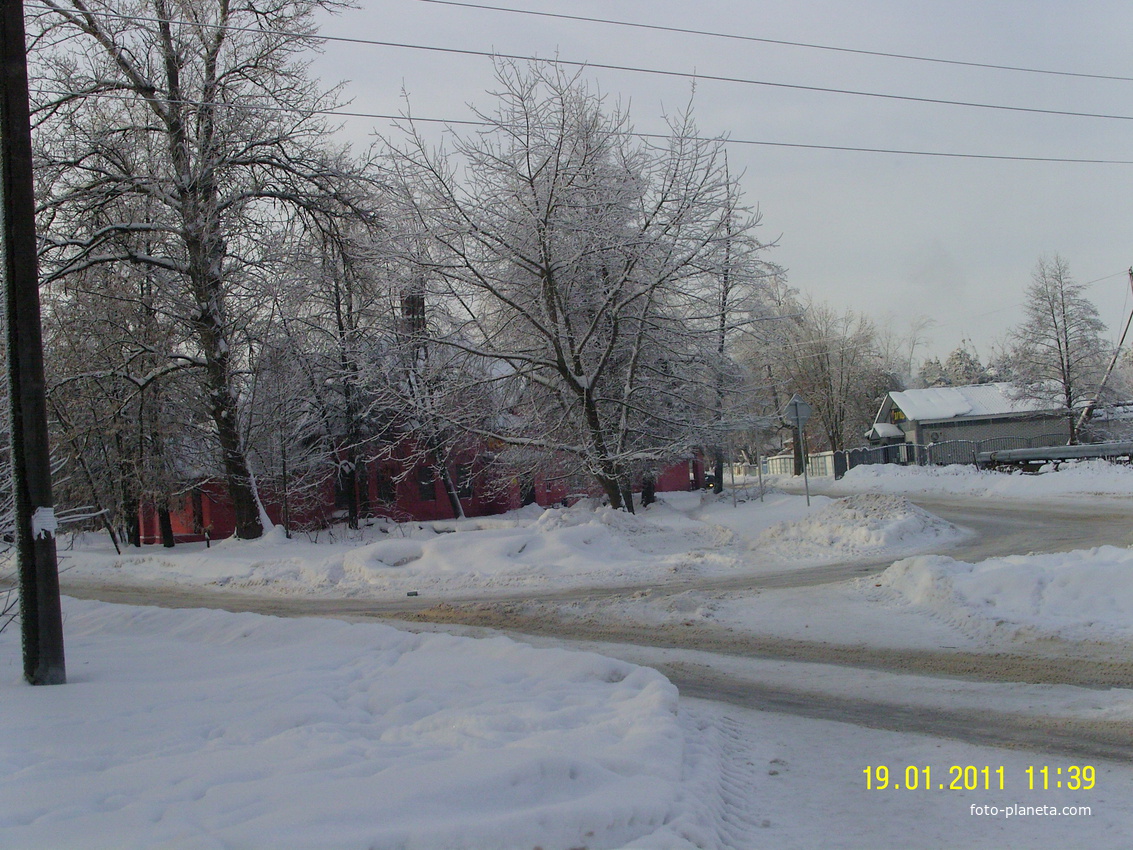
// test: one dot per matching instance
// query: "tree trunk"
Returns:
(286, 517)
(165, 521)
(450, 491)
(627, 495)
(222, 400)
(610, 475)
(800, 461)
(198, 196)
(107, 523)
(610, 487)
(236, 473)
(1073, 429)
(130, 508)
(362, 479)
(717, 469)
(348, 483)
(648, 490)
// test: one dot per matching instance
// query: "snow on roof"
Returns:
(937, 403)
(885, 431)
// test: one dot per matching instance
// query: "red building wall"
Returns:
(205, 511)
(682, 475)
(388, 489)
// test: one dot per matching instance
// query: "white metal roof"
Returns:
(978, 400)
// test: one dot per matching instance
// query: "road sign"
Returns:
(797, 412)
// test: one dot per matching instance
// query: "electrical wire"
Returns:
(607, 66)
(726, 140)
(1107, 277)
(779, 42)
(1020, 305)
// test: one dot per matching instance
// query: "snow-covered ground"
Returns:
(922, 602)
(1089, 478)
(200, 729)
(1082, 595)
(211, 729)
(205, 729)
(684, 536)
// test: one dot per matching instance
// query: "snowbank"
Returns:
(858, 527)
(1082, 595)
(209, 729)
(525, 550)
(1091, 477)
(691, 534)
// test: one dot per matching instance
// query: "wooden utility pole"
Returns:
(40, 613)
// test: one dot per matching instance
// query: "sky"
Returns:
(902, 238)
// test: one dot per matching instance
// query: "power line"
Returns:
(720, 78)
(1020, 305)
(920, 153)
(1121, 273)
(606, 66)
(780, 42)
(341, 113)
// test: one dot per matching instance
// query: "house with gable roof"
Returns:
(976, 412)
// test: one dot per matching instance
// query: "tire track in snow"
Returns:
(721, 807)
(738, 821)
(1074, 737)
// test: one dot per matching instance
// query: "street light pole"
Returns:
(40, 612)
(797, 414)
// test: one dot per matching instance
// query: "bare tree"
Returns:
(443, 392)
(574, 253)
(202, 110)
(835, 361)
(120, 402)
(1057, 354)
(737, 298)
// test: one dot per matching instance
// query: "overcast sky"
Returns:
(899, 237)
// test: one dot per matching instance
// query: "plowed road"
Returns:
(1000, 529)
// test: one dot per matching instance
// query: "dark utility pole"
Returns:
(41, 618)
(1088, 410)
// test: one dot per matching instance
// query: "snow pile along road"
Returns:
(858, 527)
(685, 534)
(1082, 595)
(205, 728)
(520, 551)
(1085, 478)
(575, 542)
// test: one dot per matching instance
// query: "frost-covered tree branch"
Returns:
(580, 258)
(174, 136)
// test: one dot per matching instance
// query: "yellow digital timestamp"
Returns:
(970, 777)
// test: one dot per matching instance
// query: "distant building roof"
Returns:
(977, 400)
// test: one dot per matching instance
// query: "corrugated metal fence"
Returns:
(908, 454)
(935, 454)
